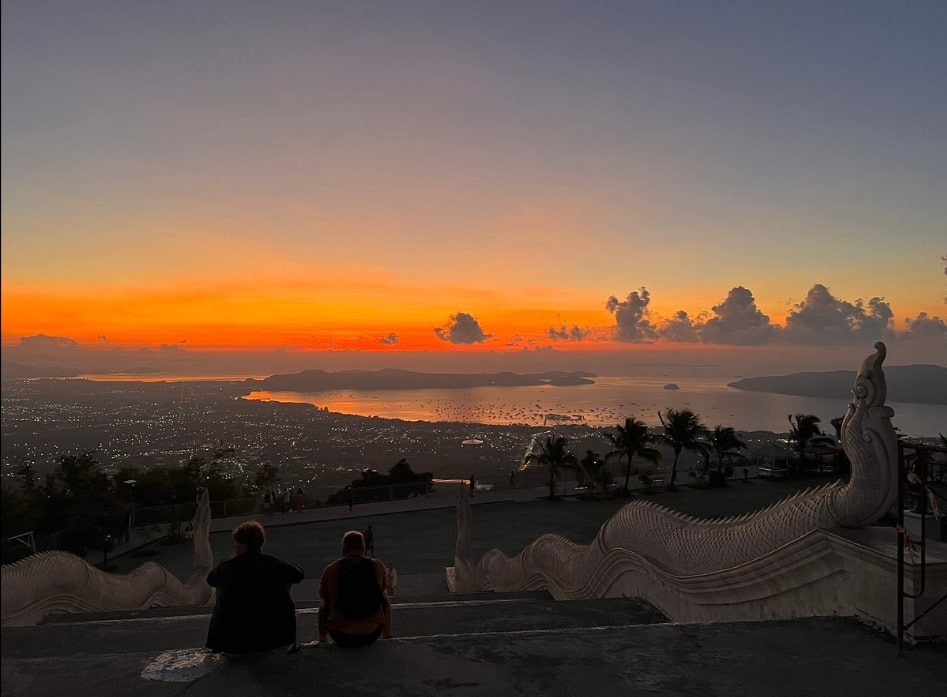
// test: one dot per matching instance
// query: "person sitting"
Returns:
(254, 611)
(354, 608)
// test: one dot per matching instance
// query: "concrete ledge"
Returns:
(803, 657)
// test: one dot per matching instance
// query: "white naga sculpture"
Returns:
(59, 582)
(675, 550)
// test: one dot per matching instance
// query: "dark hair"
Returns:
(251, 534)
(353, 541)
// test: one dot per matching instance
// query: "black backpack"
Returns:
(359, 594)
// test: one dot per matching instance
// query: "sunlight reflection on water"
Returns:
(606, 403)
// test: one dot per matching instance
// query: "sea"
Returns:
(606, 403)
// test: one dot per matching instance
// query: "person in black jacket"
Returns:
(254, 610)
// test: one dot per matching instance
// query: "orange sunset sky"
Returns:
(475, 176)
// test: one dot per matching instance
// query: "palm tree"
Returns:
(591, 468)
(725, 444)
(554, 454)
(803, 428)
(632, 439)
(682, 431)
(837, 425)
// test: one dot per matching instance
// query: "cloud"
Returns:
(824, 319)
(737, 321)
(462, 329)
(631, 318)
(170, 350)
(389, 340)
(43, 342)
(575, 333)
(680, 328)
(925, 328)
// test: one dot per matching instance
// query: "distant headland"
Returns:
(918, 384)
(393, 379)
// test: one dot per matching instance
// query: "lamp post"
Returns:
(131, 505)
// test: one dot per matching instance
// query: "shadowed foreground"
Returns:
(791, 659)
(480, 644)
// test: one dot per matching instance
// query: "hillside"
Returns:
(390, 379)
(920, 384)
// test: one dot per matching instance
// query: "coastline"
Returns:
(321, 449)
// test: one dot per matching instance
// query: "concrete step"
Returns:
(762, 659)
(164, 629)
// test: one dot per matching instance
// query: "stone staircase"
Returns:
(490, 644)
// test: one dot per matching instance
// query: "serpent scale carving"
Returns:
(59, 582)
(683, 546)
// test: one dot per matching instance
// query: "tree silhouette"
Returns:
(803, 428)
(554, 454)
(725, 444)
(591, 469)
(682, 431)
(631, 439)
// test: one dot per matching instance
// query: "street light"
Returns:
(131, 500)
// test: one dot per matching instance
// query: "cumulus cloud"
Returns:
(462, 329)
(823, 319)
(632, 323)
(680, 328)
(389, 340)
(574, 333)
(925, 328)
(737, 321)
(171, 349)
(44, 342)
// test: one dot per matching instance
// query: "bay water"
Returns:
(606, 403)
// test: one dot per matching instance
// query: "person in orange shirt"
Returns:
(354, 608)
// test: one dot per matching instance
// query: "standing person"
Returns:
(392, 579)
(350, 495)
(353, 607)
(369, 536)
(287, 500)
(473, 484)
(254, 610)
(512, 479)
(299, 500)
(267, 504)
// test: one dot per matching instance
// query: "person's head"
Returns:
(249, 536)
(353, 542)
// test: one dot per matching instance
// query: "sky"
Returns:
(402, 178)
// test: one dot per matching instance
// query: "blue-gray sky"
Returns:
(440, 175)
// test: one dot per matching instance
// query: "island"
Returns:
(918, 384)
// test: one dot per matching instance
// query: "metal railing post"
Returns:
(901, 542)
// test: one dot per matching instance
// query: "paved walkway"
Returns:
(443, 497)
(418, 535)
